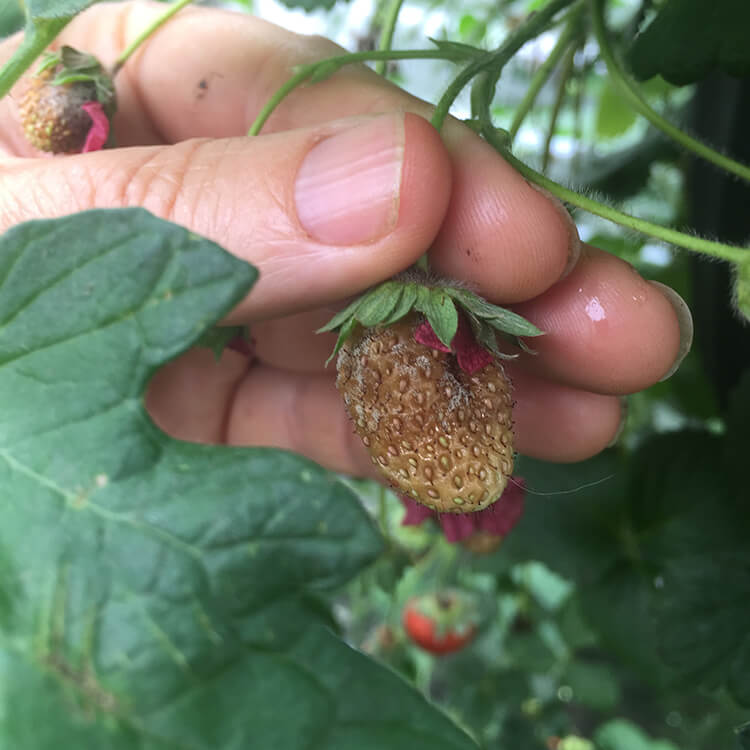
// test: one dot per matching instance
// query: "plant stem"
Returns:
(386, 35)
(720, 250)
(330, 65)
(147, 32)
(37, 36)
(629, 89)
(567, 69)
(543, 73)
(496, 60)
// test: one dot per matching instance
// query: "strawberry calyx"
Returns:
(444, 305)
(72, 66)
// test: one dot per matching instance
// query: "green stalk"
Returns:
(37, 37)
(147, 32)
(720, 250)
(564, 78)
(321, 69)
(386, 35)
(630, 91)
(544, 71)
(495, 61)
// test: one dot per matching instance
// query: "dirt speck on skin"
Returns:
(203, 86)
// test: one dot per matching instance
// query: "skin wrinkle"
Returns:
(159, 189)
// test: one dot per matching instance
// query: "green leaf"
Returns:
(620, 734)
(594, 685)
(440, 312)
(614, 116)
(11, 17)
(158, 594)
(690, 38)
(59, 9)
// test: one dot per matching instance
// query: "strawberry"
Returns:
(68, 104)
(432, 406)
(439, 434)
(441, 623)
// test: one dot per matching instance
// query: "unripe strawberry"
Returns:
(438, 434)
(66, 103)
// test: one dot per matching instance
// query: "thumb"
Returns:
(323, 212)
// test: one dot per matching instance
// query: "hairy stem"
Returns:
(719, 250)
(542, 74)
(496, 60)
(386, 35)
(147, 32)
(567, 70)
(630, 91)
(37, 37)
(321, 69)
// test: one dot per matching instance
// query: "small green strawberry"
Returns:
(419, 374)
(68, 105)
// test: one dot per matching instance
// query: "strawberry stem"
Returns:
(719, 250)
(148, 32)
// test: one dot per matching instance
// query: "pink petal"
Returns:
(99, 131)
(471, 356)
(458, 526)
(423, 334)
(505, 513)
(415, 512)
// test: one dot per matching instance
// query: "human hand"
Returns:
(331, 200)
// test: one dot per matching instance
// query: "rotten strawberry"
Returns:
(419, 372)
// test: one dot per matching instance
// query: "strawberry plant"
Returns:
(178, 588)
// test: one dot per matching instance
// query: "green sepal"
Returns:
(486, 335)
(216, 338)
(344, 333)
(378, 303)
(404, 305)
(504, 321)
(341, 317)
(440, 312)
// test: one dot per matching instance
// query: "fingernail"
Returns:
(685, 320)
(623, 421)
(347, 188)
(574, 241)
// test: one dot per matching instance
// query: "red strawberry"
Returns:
(440, 623)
